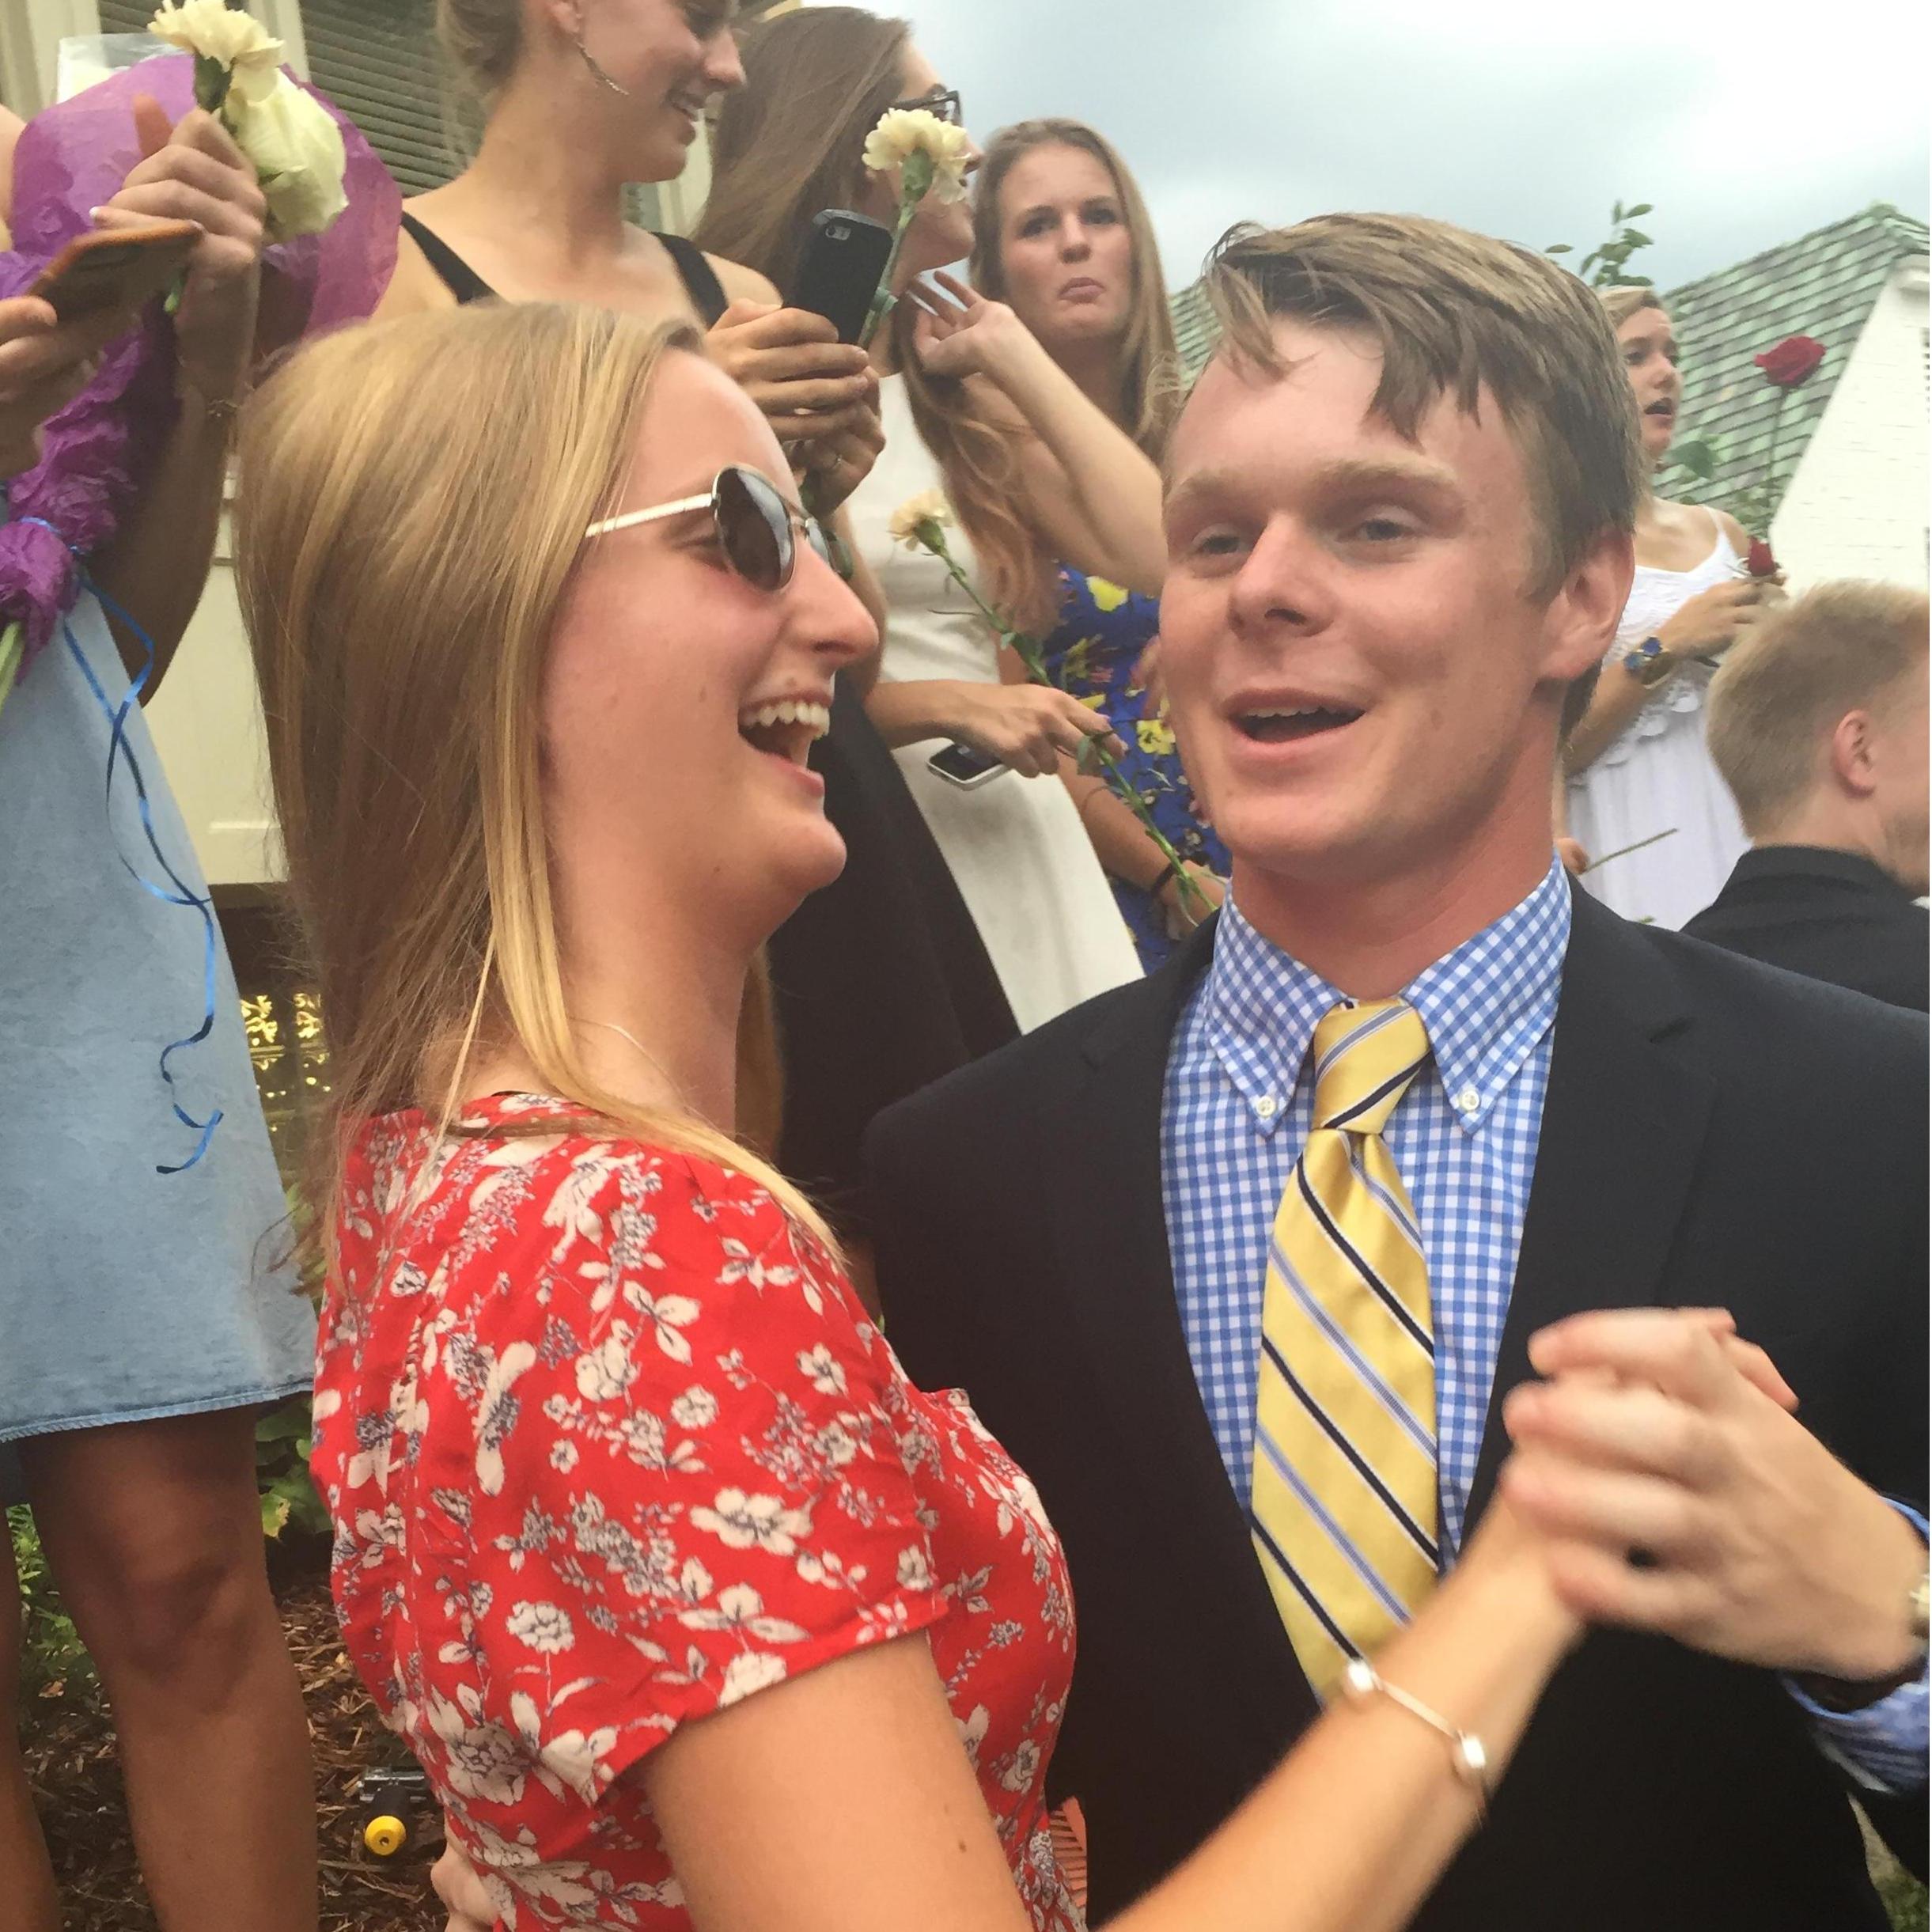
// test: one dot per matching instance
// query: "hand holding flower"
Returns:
(195, 172)
(45, 364)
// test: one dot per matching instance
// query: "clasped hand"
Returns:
(1670, 1441)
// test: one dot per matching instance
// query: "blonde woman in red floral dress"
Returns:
(696, 1613)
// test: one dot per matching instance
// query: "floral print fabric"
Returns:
(1103, 631)
(609, 1446)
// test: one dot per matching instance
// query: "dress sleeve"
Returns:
(695, 1477)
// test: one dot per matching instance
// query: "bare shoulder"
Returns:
(414, 286)
(741, 284)
(1738, 536)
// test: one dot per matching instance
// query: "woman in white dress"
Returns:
(1636, 761)
(1014, 841)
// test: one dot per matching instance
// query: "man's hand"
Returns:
(194, 173)
(1665, 1438)
(45, 365)
(462, 1891)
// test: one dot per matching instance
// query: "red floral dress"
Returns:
(609, 1446)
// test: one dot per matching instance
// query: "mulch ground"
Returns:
(69, 1751)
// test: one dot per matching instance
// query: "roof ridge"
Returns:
(1880, 215)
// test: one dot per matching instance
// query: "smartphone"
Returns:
(118, 268)
(960, 765)
(839, 274)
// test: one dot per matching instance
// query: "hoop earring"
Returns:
(597, 73)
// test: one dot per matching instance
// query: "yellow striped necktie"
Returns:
(1344, 1499)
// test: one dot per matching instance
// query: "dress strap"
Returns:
(700, 279)
(456, 274)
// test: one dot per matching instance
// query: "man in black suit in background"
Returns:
(1818, 725)
(1398, 512)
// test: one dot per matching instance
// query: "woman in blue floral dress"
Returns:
(1062, 236)
(1103, 633)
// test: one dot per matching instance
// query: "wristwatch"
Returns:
(1646, 662)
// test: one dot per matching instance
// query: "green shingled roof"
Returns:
(1823, 284)
(1195, 332)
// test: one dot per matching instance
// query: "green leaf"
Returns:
(1559, 247)
(211, 82)
(1643, 207)
(275, 1515)
(1616, 214)
(1633, 240)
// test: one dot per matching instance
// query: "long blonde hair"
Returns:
(980, 459)
(400, 559)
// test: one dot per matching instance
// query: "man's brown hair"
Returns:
(1842, 647)
(1455, 313)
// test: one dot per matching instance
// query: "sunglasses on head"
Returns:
(757, 529)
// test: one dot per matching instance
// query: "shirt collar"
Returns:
(1485, 1006)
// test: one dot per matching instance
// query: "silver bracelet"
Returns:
(1468, 1755)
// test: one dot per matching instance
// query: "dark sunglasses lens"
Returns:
(755, 529)
(821, 542)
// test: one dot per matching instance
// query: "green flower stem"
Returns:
(1624, 851)
(211, 83)
(1193, 900)
(882, 299)
(1771, 467)
(12, 645)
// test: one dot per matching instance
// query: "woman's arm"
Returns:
(1347, 1835)
(1091, 492)
(1707, 625)
(158, 564)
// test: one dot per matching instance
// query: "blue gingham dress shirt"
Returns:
(1236, 1110)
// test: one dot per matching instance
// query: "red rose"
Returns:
(1794, 360)
(1759, 560)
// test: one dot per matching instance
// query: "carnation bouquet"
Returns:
(333, 210)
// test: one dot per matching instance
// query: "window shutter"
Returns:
(126, 16)
(377, 61)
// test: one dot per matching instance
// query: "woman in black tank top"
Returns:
(881, 983)
(571, 118)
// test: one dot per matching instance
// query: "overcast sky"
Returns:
(1745, 124)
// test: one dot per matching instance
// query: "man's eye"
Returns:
(1215, 543)
(1384, 529)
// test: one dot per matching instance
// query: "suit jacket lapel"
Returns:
(1623, 1121)
(1117, 1282)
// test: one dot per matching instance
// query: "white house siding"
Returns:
(1857, 505)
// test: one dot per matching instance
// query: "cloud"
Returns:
(1520, 117)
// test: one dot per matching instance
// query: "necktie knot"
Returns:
(1366, 1054)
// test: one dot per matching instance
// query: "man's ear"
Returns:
(1584, 615)
(1854, 755)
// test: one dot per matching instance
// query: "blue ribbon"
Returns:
(183, 894)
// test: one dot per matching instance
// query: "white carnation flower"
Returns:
(902, 132)
(928, 507)
(216, 30)
(297, 152)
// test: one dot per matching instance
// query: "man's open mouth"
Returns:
(1278, 726)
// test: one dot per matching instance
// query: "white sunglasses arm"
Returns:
(682, 507)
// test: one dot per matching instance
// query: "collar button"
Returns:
(1265, 1106)
(1469, 1101)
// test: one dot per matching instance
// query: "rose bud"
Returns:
(1759, 560)
(1793, 361)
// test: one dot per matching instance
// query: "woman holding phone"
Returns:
(817, 81)
(581, 98)
(699, 1616)
(143, 1321)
